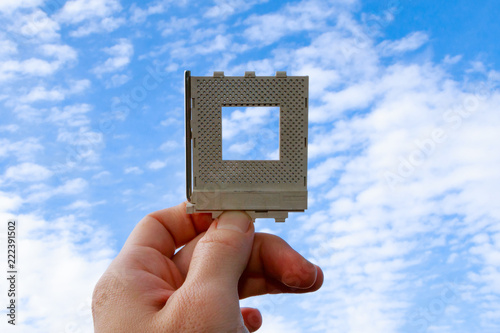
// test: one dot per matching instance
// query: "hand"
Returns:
(149, 287)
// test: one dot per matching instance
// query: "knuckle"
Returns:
(226, 244)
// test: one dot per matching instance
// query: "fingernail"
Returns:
(234, 220)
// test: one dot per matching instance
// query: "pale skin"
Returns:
(149, 287)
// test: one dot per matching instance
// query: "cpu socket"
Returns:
(262, 188)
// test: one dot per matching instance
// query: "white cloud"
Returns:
(249, 119)
(449, 60)
(101, 175)
(170, 121)
(201, 41)
(219, 43)
(412, 42)
(40, 93)
(169, 145)
(23, 150)
(93, 16)
(77, 11)
(324, 171)
(273, 155)
(225, 8)
(27, 172)
(156, 165)
(83, 205)
(72, 186)
(41, 193)
(477, 67)
(78, 86)
(9, 6)
(7, 47)
(35, 26)
(83, 144)
(302, 16)
(244, 129)
(29, 113)
(176, 25)
(351, 98)
(84, 137)
(120, 55)
(133, 170)
(71, 115)
(241, 148)
(273, 324)
(32, 66)
(138, 15)
(12, 128)
(319, 79)
(108, 24)
(117, 80)
(369, 234)
(63, 55)
(82, 252)
(9, 202)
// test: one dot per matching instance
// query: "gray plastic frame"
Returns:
(262, 188)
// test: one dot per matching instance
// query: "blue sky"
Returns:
(403, 157)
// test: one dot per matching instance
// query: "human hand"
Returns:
(149, 287)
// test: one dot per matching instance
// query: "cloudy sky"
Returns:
(404, 136)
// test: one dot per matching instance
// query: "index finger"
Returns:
(168, 229)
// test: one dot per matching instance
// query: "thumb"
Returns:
(222, 254)
(211, 285)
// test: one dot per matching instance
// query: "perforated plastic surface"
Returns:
(282, 182)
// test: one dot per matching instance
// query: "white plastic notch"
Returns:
(281, 74)
(264, 188)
